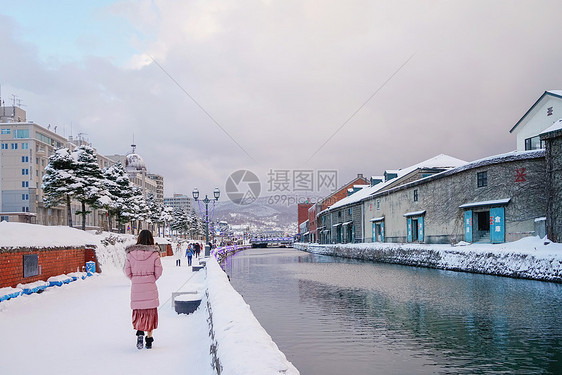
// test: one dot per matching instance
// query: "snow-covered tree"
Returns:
(181, 221)
(136, 207)
(167, 216)
(90, 175)
(60, 182)
(120, 190)
(155, 210)
(196, 225)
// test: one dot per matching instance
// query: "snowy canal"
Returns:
(340, 316)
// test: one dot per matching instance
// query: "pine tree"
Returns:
(195, 227)
(136, 207)
(155, 210)
(181, 221)
(60, 182)
(167, 218)
(119, 191)
(91, 177)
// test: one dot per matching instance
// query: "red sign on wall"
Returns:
(520, 175)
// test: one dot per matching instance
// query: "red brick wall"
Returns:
(53, 262)
(342, 192)
(90, 256)
(303, 212)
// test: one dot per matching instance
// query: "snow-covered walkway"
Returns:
(85, 328)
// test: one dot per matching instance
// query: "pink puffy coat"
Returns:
(143, 267)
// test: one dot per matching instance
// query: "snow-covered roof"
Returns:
(439, 161)
(415, 213)
(134, 162)
(552, 93)
(556, 92)
(497, 202)
(556, 126)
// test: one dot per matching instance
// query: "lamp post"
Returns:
(206, 200)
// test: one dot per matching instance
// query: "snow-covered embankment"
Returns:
(528, 258)
(241, 344)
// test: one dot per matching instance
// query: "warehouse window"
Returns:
(482, 179)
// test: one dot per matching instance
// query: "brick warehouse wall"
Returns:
(53, 262)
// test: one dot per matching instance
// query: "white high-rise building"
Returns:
(24, 154)
(179, 201)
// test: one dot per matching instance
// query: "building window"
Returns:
(534, 143)
(482, 179)
(25, 171)
(4, 146)
(21, 133)
(350, 212)
(6, 131)
(25, 184)
(25, 146)
(25, 197)
(25, 159)
(30, 265)
(415, 195)
(378, 204)
(14, 146)
(4, 218)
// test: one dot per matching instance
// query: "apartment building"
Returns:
(25, 148)
(179, 201)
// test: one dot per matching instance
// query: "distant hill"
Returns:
(259, 215)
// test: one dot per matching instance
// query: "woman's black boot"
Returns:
(140, 337)
(149, 341)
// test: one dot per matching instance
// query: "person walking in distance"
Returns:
(178, 255)
(197, 249)
(143, 267)
(189, 254)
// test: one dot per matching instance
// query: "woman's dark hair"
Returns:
(145, 238)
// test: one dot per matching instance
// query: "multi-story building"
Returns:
(159, 186)
(179, 201)
(24, 154)
(25, 150)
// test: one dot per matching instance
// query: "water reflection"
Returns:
(334, 316)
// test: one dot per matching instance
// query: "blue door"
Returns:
(409, 229)
(382, 231)
(374, 232)
(468, 226)
(497, 225)
(420, 229)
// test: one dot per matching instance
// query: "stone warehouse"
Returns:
(446, 200)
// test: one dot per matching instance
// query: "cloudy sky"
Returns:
(211, 87)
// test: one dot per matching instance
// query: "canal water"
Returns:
(339, 316)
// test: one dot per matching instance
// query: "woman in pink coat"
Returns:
(143, 267)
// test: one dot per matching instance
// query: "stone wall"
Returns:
(516, 265)
(554, 184)
(521, 179)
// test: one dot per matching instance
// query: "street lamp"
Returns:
(216, 194)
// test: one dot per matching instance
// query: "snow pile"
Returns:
(243, 347)
(59, 280)
(21, 235)
(9, 292)
(35, 287)
(528, 258)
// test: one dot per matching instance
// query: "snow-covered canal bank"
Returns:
(528, 258)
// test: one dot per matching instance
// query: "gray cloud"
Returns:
(282, 76)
